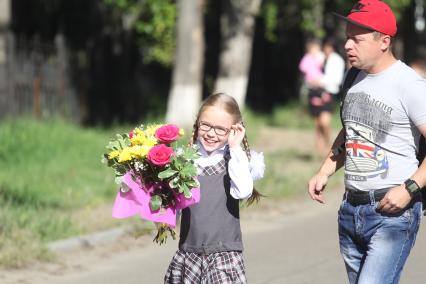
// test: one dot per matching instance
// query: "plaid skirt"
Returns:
(191, 268)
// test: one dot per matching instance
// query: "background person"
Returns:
(330, 84)
(311, 65)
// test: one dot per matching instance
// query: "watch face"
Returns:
(411, 185)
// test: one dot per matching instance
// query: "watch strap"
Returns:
(411, 186)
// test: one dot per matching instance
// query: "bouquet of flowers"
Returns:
(156, 174)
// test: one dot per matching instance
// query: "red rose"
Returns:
(167, 133)
(160, 155)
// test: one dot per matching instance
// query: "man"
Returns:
(383, 113)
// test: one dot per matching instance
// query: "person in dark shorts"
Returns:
(323, 80)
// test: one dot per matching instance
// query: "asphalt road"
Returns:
(296, 244)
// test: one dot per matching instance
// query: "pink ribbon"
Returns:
(136, 201)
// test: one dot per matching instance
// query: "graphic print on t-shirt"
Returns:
(367, 121)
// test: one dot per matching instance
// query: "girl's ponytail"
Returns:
(194, 133)
(255, 196)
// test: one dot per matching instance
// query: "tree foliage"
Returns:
(154, 21)
(310, 13)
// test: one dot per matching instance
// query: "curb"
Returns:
(87, 241)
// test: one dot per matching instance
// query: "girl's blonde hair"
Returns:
(229, 105)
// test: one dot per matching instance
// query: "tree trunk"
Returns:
(5, 11)
(237, 31)
(185, 93)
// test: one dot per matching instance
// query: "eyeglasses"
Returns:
(219, 130)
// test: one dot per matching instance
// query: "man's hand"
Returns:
(395, 200)
(316, 186)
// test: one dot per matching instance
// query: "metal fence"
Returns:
(35, 80)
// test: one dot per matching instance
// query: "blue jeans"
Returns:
(375, 246)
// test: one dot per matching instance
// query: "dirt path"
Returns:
(274, 138)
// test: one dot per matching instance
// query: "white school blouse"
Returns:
(238, 168)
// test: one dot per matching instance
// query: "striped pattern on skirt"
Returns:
(191, 268)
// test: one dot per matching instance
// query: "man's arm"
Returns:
(398, 198)
(332, 163)
(420, 175)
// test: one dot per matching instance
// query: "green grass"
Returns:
(296, 115)
(50, 170)
(51, 165)
(288, 173)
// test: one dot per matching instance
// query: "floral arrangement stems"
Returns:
(163, 230)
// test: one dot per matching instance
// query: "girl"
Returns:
(210, 246)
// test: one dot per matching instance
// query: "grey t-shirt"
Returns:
(380, 113)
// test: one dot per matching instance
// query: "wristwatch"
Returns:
(411, 186)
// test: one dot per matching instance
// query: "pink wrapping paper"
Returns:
(136, 201)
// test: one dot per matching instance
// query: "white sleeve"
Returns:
(333, 75)
(239, 172)
(415, 100)
(257, 165)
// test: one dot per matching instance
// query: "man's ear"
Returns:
(385, 42)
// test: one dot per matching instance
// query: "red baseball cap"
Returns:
(374, 15)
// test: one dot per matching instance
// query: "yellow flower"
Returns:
(151, 141)
(138, 131)
(138, 151)
(150, 130)
(145, 150)
(138, 139)
(125, 155)
(181, 132)
(113, 154)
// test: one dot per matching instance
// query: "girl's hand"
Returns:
(236, 135)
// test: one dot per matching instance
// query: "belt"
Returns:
(359, 197)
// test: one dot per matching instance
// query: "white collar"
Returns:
(212, 159)
(204, 153)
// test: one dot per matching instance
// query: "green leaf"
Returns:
(174, 183)
(118, 179)
(173, 159)
(186, 192)
(192, 184)
(155, 202)
(166, 173)
(188, 171)
(190, 154)
(104, 159)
